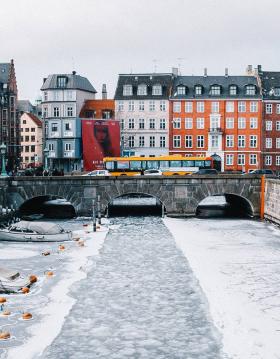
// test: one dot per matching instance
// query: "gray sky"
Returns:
(102, 38)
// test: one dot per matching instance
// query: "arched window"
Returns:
(157, 90)
(142, 90)
(215, 90)
(198, 89)
(250, 90)
(233, 90)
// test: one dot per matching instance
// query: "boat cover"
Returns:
(38, 227)
(8, 273)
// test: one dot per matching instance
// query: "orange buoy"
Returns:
(25, 290)
(3, 300)
(81, 243)
(6, 312)
(26, 316)
(4, 335)
(46, 253)
(33, 278)
(61, 247)
(49, 273)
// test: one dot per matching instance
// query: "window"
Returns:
(277, 160)
(51, 147)
(141, 106)
(54, 127)
(162, 141)
(141, 123)
(176, 106)
(277, 142)
(241, 141)
(131, 123)
(181, 90)
(162, 124)
(69, 111)
(142, 90)
(253, 106)
(229, 106)
(200, 141)
(176, 123)
(253, 123)
(241, 122)
(67, 146)
(233, 90)
(61, 81)
(250, 90)
(214, 122)
(241, 160)
(162, 106)
(253, 159)
(268, 160)
(68, 126)
(152, 141)
(253, 141)
(152, 106)
(127, 90)
(277, 91)
(131, 106)
(157, 90)
(215, 107)
(152, 124)
(268, 142)
(26, 148)
(26, 138)
(200, 106)
(188, 107)
(268, 108)
(33, 139)
(32, 129)
(277, 125)
(45, 112)
(176, 141)
(141, 141)
(229, 122)
(188, 123)
(188, 141)
(69, 95)
(200, 123)
(278, 108)
(56, 112)
(131, 141)
(122, 124)
(268, 125)
(229, 141)
(56, 95)
(198, 90)
(215, 90)
(214, 141)
(45, 96)
(229, 159)
(120, 106)
(241, 106)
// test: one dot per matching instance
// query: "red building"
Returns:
(218, 116)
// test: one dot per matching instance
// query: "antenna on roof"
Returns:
(73, 63)
(179, 59)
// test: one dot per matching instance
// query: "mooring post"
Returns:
(162, 211)
(93, 215)
(98, 210)
(262, 197)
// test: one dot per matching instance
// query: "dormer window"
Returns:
(181, 90)
(157, 90)
(127, 90)
(215, 90)
(250, 90)
(142, 90)
(61, 81)
(198, 90)
(277, 91)
(233, 90)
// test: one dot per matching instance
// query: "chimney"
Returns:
(205, 72)
(74, 72)
(226, 72)
(175, 71)
(104, 92)
(259, 69)
(249, 70)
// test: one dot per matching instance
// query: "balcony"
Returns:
(68, 134)
(215, 130)
(69, 154)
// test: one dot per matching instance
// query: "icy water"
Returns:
(140, 300)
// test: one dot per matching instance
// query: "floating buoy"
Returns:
(25, 290)
(26, 316)
(81, 243)
(85, 225)
(33, 278)
(3, 300)
(76, 239)
(61, 247)
(97, 226)
(49, 273)
(46, 253)
(6, 312)
(4, 335)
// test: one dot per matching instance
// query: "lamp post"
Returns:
(46, 154)
(3, 149)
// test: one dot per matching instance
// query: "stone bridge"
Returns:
(180, 195)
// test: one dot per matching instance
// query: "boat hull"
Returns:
(30, 237)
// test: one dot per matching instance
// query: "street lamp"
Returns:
(3, 149)
(46, 154)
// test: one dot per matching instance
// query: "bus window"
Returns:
(175, 164)
(188, 163)
(109, 165)
(163, 164)
(135, 165)
(122, 165)
(207, 164)
(144, 164)
(152, 165)
(199, 164)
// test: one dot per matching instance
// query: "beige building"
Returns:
(31, 140)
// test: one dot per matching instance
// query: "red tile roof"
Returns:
(35, 119)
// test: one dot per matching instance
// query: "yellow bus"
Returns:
(169, 165)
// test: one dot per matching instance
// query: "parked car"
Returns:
(98, 173)
(262, 172)
(153, 173)
(206, 171)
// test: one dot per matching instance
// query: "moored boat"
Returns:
(11, 281)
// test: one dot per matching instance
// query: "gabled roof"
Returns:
(5, 72)
(74, 81)
(270, 80)
(35, 119)
(165, 80)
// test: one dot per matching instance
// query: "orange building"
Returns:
(218, 116)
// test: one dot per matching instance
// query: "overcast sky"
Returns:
(102, 38)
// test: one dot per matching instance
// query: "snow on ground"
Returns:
(237, 265)
(49, 300)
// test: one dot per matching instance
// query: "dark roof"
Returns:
(270, 80)
(73, 82)
(35, 119)
(4, 72)
(165, 80)
(24, 106)
(207, 81)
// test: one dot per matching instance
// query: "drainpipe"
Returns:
(262, 196)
